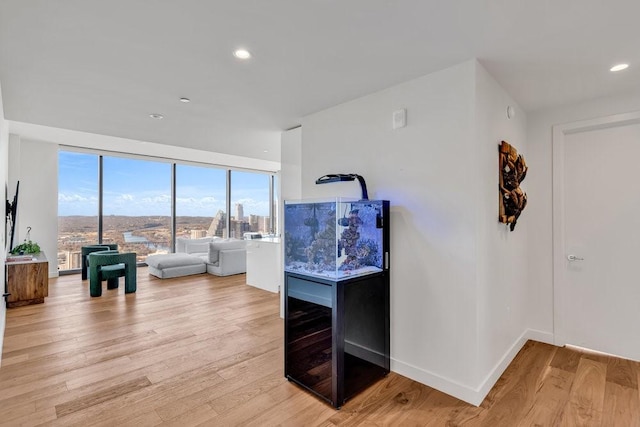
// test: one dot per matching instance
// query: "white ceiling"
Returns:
(103, 66)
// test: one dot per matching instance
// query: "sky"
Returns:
(135, 187)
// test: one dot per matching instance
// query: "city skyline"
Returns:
(145, 235)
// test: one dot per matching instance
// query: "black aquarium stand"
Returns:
(336, 333)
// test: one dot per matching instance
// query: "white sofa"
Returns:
(220, 257)
(227, 257)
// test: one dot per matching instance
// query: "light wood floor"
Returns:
(208, 351)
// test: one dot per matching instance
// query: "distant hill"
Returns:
(79, 223)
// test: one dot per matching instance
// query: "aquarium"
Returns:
(336, 239)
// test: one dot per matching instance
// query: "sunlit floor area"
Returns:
(206, 350)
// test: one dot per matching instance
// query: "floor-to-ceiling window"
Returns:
(201, 201)
(77, 206)
(250, 203)
(136, 206)
(129, 201)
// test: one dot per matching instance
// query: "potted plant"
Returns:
(26, 247)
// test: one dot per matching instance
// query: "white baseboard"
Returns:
(507, 358)
(431, 379)
(472, 395)
(540, 336)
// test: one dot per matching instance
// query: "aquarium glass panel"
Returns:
(334, 239)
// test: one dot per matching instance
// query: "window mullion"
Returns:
(100, 193)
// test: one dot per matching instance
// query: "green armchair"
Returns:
(86, 250)
(110, 266)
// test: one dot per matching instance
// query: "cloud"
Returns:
(162, 198)
(251, 205)
(77, 204)
(209, 200)
(199, 201)
(199, 206)
(74, 198)
(153, 203)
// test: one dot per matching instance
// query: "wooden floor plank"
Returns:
(8, 399)
(242, 394)
(206, 350)
(620, 406)
(524, 378)
(622, 372)
(34, 419)
(10, 413)
(194, 417)
(108, 382)
(307, 413)
(586, 400)
(245, 410)
(550, 399)
(567, 359)
(102, 396)
(148, 419)
(404, 406)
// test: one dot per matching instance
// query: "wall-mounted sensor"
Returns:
(400, 118)
(511, 112)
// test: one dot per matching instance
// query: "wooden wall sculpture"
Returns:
(513, 169)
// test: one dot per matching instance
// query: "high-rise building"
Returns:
(238, 228)
(69, 260)
(218, 225)
(259, 223)
(196, 234)
(265, 224)
(254, 222)
(239, 212)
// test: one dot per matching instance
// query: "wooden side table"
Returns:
(27, 281)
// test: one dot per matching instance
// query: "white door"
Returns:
(597, 272)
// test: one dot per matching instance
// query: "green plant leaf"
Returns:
(27, 247)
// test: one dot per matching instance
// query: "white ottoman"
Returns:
(166, 266)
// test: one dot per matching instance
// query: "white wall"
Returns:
(539, 136)
(36, 166)
(4, 160)
(503, 309)
(441, 179)
(290, 159)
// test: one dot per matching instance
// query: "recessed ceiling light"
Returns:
(242, 54)
(619, 67)
(185, 100)
(156, 116)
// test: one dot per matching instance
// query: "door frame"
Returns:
(560, 290)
